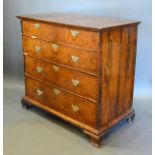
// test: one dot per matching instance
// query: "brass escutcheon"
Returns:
(36, 25)
(56, 68)
(37, 49)
(55, 47)
(56, 91)
(39, 69)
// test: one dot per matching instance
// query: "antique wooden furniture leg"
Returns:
(131, 117)
(97, 139)
(94, 139)
(25, 104)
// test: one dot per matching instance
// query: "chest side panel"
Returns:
(118, 55)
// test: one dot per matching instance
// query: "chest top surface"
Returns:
(79, 20)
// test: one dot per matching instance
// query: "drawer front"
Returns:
(62, 101)
(80, 83)
(80, 59)
(82, 38)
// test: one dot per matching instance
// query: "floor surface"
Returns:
(35, 132)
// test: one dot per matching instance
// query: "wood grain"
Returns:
(105, 82)
(131, 66)
(118, 53)
(114, 51)
(93, 23)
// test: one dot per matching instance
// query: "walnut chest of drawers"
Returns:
(80, 68)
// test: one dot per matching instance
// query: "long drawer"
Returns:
(60, 100)
(80, 83)
(81, 59)
(82, 38)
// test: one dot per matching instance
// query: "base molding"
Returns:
(94, 134)
(96, 139)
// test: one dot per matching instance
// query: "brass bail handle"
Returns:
(75, 108)
(75, 59)
(75, 82)
(39, 92)
(74, 33)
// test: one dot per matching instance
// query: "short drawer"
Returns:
(62, 101)
(77, 82)
(73, 36)
(81, 59)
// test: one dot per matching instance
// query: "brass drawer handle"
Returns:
(37, 49)
(75, 108)
(74, 33)
(39, 92)
(75, 59)
(36, 25)
(56, 68)
(55, 47)
(39, 69)
(75, 82)
(56, 91)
